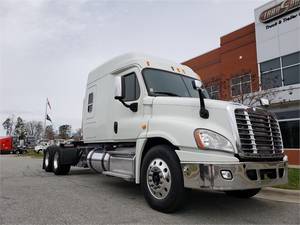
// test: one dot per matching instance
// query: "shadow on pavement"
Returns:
(202, 201)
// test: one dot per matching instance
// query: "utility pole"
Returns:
(45, 118)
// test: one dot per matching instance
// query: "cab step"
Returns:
(120, 175)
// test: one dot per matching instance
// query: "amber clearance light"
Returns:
(197, 135)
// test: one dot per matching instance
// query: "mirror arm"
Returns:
(133, 106)
(203, 111)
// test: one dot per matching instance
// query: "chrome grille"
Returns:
(259, 134)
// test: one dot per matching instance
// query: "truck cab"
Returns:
(150, 120)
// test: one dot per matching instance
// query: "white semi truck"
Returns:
(150, 121)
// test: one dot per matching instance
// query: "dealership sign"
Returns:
(279, 10)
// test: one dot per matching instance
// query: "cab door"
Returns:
(128, 125)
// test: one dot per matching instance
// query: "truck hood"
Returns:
(194, 102)
(182, 114)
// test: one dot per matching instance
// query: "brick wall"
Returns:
(235, 56)
(293, 156)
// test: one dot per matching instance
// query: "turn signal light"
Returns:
(197, 135)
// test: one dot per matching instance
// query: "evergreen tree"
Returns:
(8, 126)
(20, 129)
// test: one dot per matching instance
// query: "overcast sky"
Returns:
(47, 47)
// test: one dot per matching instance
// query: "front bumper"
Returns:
(245, 175)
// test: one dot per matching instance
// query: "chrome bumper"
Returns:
(245, 175)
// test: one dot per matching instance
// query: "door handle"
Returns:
(116, 127)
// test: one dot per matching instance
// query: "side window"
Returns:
(132, 88)
(90, 102)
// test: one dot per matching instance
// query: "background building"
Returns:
(261, 59)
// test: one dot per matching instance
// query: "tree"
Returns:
(49, 132)
(34, 128)
(252, 98)
(64, 131)
(8, 126)
(270, 93)
(78, 134)
(20, 130)
(39, 130)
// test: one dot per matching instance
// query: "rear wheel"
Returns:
(59, 169)
(243, 193)
(161, 179)
(47, 162)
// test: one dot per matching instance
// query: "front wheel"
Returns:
(161, 179)
(243, 193)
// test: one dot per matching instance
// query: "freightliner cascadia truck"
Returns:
(150, 121)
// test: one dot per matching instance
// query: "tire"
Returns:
(162, 180)
(48, 161)
(59, 169)
(243, 193)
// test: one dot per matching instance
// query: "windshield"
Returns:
(164, 83)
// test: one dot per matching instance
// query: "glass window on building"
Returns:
(291, 75)
(289, 122)
(213, 90)
(271, 80)
(270, 65)
(291, 59)
(241, 85)
(290, 133)
(281, 71)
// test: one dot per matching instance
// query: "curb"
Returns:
(294, 166)
(282, 195)
(282, 191)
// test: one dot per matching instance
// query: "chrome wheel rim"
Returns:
(55, 161)
(47, 159)
(159, 178)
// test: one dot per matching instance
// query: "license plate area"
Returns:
(266, 174)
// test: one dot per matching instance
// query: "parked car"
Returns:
(42, 145)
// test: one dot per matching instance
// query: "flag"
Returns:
(48, 118)
(48, 103)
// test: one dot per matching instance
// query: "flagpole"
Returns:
(45, 117)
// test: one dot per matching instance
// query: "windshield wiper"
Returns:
(164, 93)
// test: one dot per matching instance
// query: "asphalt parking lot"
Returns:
(28, 195)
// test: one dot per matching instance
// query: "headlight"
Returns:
(207, 139)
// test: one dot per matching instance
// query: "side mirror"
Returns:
(119, 88)
(264, 102)
(197, 84)
(120, 94)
